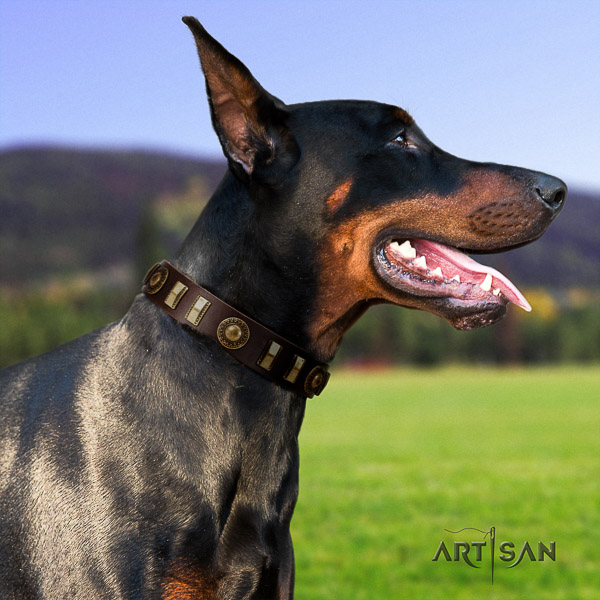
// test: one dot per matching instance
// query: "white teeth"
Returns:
(437, 272)
(420, 263)
(407, 250)
(456, 278)
(496, 292)
(486, 284)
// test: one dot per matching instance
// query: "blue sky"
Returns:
(508, 81)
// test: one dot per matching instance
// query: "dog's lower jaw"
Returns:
(466, 318)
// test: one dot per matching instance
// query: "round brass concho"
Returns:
(316, 381)
(157, 280)
(233, 333)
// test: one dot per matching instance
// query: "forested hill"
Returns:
(68, 209)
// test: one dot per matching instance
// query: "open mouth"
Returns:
(431, 269)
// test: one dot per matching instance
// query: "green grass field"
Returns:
(391, 459)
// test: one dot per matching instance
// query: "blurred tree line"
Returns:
(73, 261)
(564, 327)
(557, 330)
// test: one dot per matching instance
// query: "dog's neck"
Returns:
(227, 253)
(250, 423)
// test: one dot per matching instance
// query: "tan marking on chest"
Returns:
(186, 582)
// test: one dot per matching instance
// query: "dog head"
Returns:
(386, 214)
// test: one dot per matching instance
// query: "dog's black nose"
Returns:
(551, 190)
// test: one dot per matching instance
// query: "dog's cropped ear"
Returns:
(249, 121)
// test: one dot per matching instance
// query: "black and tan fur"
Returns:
(141, 460)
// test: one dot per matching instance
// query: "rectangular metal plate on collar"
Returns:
(176, 294)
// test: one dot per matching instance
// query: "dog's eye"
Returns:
(400, 139)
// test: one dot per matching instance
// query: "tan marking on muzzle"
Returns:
(490, 210)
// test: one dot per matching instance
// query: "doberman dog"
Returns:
(149, 459)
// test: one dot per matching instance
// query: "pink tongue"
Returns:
(466, 263)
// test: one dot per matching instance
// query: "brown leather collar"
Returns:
(251, 343)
